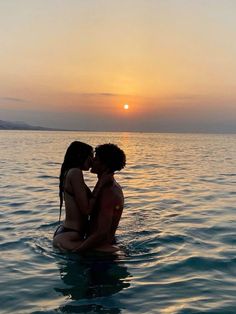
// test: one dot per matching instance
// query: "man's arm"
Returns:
(104, 222)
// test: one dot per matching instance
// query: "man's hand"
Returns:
(77, 249)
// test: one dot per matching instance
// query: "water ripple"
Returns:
(177, 234)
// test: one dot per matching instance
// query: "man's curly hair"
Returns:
(112, 156)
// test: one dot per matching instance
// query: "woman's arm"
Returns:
(84, 203)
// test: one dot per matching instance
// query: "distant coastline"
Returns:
(7, 125)
(22, 126)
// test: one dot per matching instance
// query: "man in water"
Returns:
(108, 208)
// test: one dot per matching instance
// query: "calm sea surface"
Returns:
(177, 232)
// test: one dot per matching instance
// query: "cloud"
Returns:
(108, 94)
(183, 97)
(102, 94)
(12, 99)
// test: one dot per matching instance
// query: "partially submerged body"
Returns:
(92, 219)
(100, 228)
(75, 194)
(76, 198)
(104, 220)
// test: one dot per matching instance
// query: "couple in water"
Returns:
(91, 218)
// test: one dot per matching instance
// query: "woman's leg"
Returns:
(67, 241)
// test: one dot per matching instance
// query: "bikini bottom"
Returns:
(61, 229)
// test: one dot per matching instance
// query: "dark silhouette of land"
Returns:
(7, 125)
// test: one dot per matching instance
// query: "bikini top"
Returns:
(89, 193)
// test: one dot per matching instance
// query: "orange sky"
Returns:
(73, 64)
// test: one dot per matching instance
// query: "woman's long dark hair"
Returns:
(75, 156)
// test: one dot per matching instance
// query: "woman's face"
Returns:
(88, 163)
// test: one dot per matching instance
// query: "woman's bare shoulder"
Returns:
(75, 172)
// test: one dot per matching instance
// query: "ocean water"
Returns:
(177, 233)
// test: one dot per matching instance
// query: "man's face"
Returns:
(97, 166)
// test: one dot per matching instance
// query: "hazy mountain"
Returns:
(6, 125)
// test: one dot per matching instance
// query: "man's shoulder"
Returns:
(112, 187)
(112, 192)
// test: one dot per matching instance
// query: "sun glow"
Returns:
(126, 106)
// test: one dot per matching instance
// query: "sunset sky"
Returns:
(75, 63)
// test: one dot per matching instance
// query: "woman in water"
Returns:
(79, 200)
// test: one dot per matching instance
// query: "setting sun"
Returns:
(126, 106)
